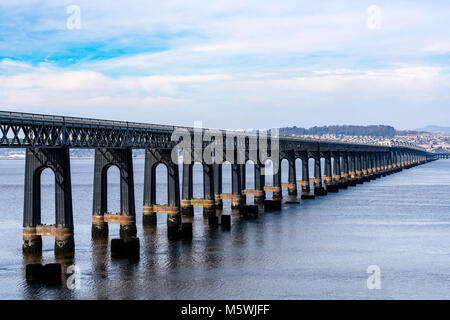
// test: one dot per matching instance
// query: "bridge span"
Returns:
(48, 139)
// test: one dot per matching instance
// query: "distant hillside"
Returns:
(348, 130)
(436, 129)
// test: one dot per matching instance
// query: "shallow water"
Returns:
(319, 249)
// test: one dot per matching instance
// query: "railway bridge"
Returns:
(48, 139)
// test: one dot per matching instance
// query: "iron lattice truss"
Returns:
(26, 130)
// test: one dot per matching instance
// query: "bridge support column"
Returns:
(292, 186)
(209, 208)
(260, 181)
(337, 172)
(153, 157)
(358, 166)
(36, 160)
(236, 188)
(305, 182)
(345, 170)
(327, 178)
(218, 185)
(352, 169)
(277, 193)
(187, 209)
(122, 159)
(319, 190)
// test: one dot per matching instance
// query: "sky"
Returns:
(230, 64)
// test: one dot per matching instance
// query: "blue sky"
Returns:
(231, 64)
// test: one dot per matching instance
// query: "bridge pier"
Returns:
(122, 159)
(345, 169)
(352, 169)
(218, 185)
(319, 190)
(36, 160)
(237, 201)
(327, 178)
(154, 157)
(260, 181)
(305, 182)
(209, 207)
(187, 209)
(292, 179)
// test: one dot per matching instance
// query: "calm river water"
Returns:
(319, 249)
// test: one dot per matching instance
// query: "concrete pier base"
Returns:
(225, 222)
(259, 199)
(187, 210)
(186, 230)
(250, 211)
(332, 187)
(272, 205)
(307, 196)
(320, 191)
(128, 230)
(64, 245)
(149, 219)
(99, 230)
(32, 244)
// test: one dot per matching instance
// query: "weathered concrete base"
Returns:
(49, 274)
(125, 248)
(278, 196)
(186, 230)
(225, 222)
(320, 191)
(32, 244)
(219, 204)
(351, 183)
(149, 219)
(292, 191)
(272, 205)
(250, 211)
(173, 226)
(99, 230)
(213, 221)
(259, 199)
(307, 196)
(209, 211)
(332, 188)
(187, 211)
(128, 230)
(342, 185)
(64, 245)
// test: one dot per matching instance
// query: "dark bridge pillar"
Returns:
(327, 178)
(187, 209)
(153, 157)
(337, 171)
(36, 161)
(277, 194)
(345, 169)
(305, 183)
(218, 185)
(352, 169)
(317, 180)
(260, 181)
(209, 207)
(358, 167)
(122, 159)
(292, 186)
(236, 187)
